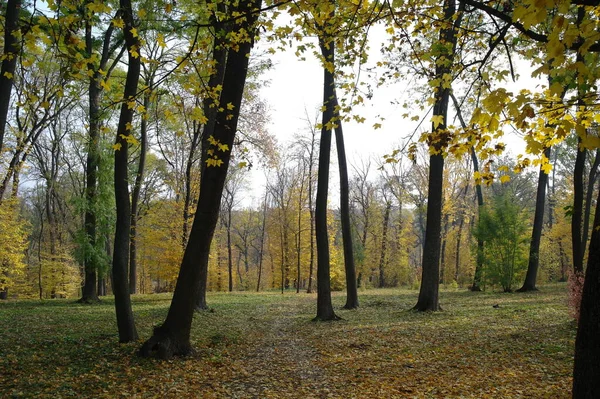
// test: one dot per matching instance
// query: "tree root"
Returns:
(165, 345)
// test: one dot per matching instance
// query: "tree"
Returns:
(502, 228)
(536, 234)
(173, 336)
(9, 61)
(438, 142)
(120, 268)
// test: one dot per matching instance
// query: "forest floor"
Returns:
(266, 346)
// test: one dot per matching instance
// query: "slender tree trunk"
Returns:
(9, 61)
(443, 250)
(429, 291)
(386, 222)
(173, 336)
(349, 266)
(125, 321)
(586, 384)
(311, 211)
(324, 304)
(262, 242)
(536, 234)
(135, 197)
(229, 249)
(576, 213)
(588, 202)
(457, 252)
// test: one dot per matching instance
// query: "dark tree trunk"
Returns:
(120, 266)
(429, 292)
(386, 222)
(586, 384)
(311, 211)
(135, 197)
(324, 304)
(576, 212)
(173, 336)
(210, 112)
(9, 62)
(536, 234)
(443, 250)
(349, 266)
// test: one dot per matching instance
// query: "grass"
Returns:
(266, 346)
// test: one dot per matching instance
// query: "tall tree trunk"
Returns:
(229, 249)
(457, 252)
(349, 266)
(476, 286)
(429, 291)
(262, 242)
(576, 212)
(125, 321)
(588, 202)
(324, 304)
(9, 61)
(173, 336)
(210, 112)
(536, 234)
(586, 384)
(135, 197)
(443, 250)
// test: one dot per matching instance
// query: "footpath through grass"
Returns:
(266, 346)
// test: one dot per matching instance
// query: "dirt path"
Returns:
(280, 364)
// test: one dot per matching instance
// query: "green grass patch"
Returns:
(265, 345)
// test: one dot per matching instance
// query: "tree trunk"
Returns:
(324, 304)
(173, 336)
(386, 222)
(536, 234)
(429, 291)
(210, 112)
(125, 321)
(135, 197)
(229, 249)
(262, 242)
(311, 211)
(588, 202)
(457, 252)
(586, 384)
(349, 266)
(9, 61)
(576, 212)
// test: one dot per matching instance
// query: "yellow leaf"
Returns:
(168, 7)
(211, 140)
(142, 14)
(377, 126)
(161, 40)
(134, 31)
(8, 75)
(504, 179)
(230, 106)
(223, 147)
(547, 168)
(437, 120)
(116, 146)
(118, 23)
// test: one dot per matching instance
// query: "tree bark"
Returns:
(324, 305)
(386, 222)
(125, 321)
(9, 61)
(210, 112)
(536, 234)
(429, 291)
(135, 197)
(173, 336)
(349, 266)
(586, 384)
(262, 241)
(576, 212)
